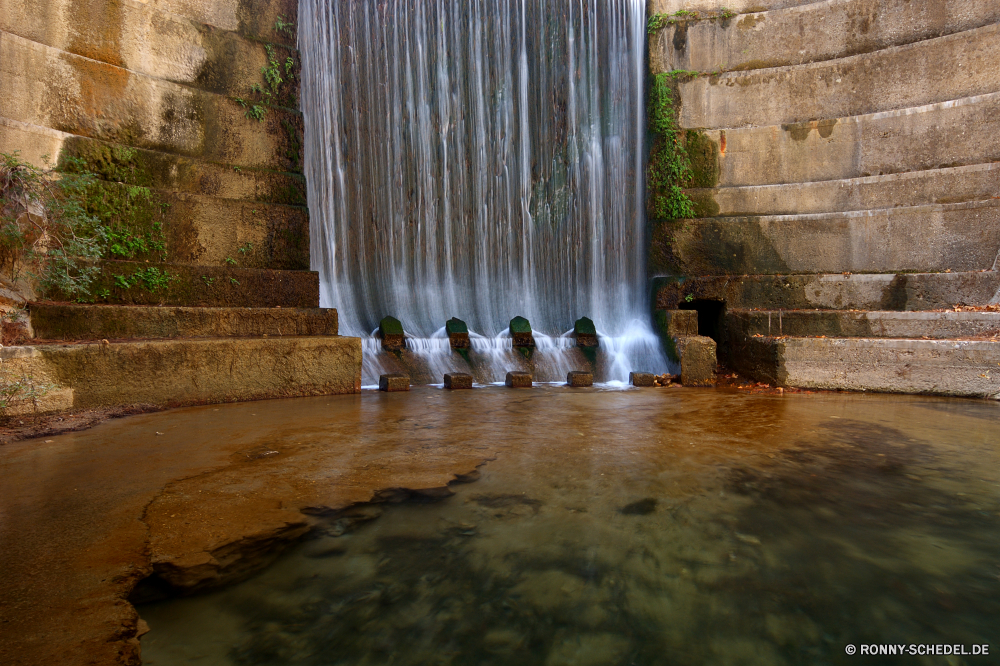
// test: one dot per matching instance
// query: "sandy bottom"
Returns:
(638, 527)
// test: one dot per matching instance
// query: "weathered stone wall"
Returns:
(145, 92)
(845, 136)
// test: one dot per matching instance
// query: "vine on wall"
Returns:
(669, 165)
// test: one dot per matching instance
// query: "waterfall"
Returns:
(479, 159)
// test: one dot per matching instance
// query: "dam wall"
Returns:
(197, 103)
(835, 146)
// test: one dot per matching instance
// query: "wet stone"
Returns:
(579, 379)
(585, 332)
(457, 381)
(390, 330)
(392, 383)
(458, 333)
(641, 379)
(520, 332)
(518, 380)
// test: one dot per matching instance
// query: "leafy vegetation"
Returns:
(286, 27)
(669, 165)
(657, 22)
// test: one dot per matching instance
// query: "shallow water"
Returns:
(653, 526)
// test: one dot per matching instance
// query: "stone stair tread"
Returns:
(954, 367)
(935, 324)
(69, 322)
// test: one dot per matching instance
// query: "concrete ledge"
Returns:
(54, 321)
(146, 40)
(956, 237)
(894, 78)
(712, 6)
(835, 323)
(47, 87)
(916, 188)
(206, 286)
(937, 367)
(812, 32)
(948, 134)
(185, 372)
(909, 292)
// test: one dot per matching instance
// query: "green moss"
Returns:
(390, 326)
(456, 325)
(584, 326)
(704, 156)
(669, 166)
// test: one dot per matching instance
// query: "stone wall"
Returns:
(145, 92)
(845, 136)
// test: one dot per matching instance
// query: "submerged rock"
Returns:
(641, 508)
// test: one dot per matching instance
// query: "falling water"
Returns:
(480, 159)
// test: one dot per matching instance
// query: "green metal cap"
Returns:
(390, 326)
(520, 325)
(455, 325)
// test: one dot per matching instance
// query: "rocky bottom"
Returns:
(642, 528)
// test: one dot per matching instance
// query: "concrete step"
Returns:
(170, 373)
(848, 324)
(937, 367)
(859, 291)
(57, 321)
(958, 132)
(712, 6)
(932, 238)
(42, 87)
(885, 80)
(812, 32)
(139, 283)
(915, 188)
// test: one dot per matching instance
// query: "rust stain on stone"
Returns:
(97, 30)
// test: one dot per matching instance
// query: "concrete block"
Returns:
(585, 333)
(864, 291)
(579, 379)
(517, 379)
(953, 237)
(458, 333)
(674, 322)
(837, 323)
(457, 381)
(393, 383)
(936, 367)
(892, 78)
(59, 321)
(698, 360)
(390, 331)
(809, 32)
(520, 332)
(642, 379)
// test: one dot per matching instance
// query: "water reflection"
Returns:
(643, 527)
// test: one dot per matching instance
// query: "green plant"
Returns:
(682, 73)
(151, 279)
(287, 27)
(207, 280)
(689, 298)
(46, 229)
(230, 261)
(246, 247)
(669, 166)
(726, 13)
(234, 281)
(269, 92)
(657, 22)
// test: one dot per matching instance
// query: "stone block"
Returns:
(579, 379)
(391, 333)
(458, 333)
(585, 332)
(518, 379)
(457, 380)
(642, 379)
(393, 383)
(520, 332)
(674, 323)
(698, 360)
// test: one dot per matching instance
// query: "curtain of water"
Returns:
(478, 159)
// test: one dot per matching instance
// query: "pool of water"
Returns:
(662, 526)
